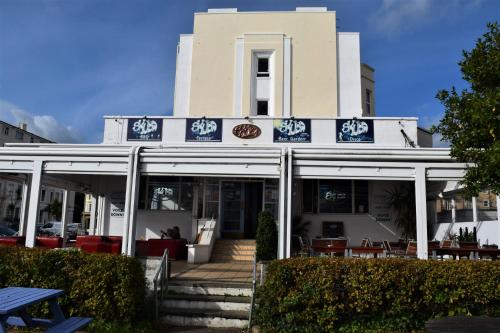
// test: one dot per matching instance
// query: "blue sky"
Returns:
(66, 63)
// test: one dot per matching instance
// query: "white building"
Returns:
(273, 111)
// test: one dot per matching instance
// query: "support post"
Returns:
(474, 209)
(23, 218)
(64, 217)
(453, 210)
(282, 207)
(93, 208)
(34, 203)
(289, 204)
(101, 215)
(421, 212)
(134, 203)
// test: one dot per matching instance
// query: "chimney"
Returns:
(23, 126)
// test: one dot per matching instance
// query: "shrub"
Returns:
(389, 295)
(267, 237)
(103, 286)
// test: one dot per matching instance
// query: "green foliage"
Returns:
(102, 286)
(471, 122)
(402, 200)
(266, 238)
(366, 295)
(54, 209)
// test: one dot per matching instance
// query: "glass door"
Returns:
(233, 201)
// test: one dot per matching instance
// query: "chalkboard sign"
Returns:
(144, 129)
(355, 130)
(203, 129)
(292, 130)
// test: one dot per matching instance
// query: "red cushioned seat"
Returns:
(49, 242)
(176, 248)
(13, 240)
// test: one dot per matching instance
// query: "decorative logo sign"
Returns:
(292, 130)
(355, 130)
(143, 129)
(246, 131)
(203, 129)
(334, 196)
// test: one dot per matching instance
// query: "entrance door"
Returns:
(241, 202)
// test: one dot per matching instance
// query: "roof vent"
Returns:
(23, 126)
(222, 10)
(311, 9)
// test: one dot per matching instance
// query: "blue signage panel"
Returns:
(355, 130)
(204, 129)
(292, 130)
(144, 129)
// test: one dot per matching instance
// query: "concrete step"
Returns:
(228, 258)
(191, 287)
(205, 318)
(207, 302)
(236, 241)
(233, 251)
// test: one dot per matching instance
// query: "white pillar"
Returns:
(23, 218)
(421, 212)
(289, 205)
(474, 209)
(134, 203)
(129, 192)
(101, 210)
(282, 207)
(453, 210)
(64, 216)
(34, 203)
(93, 209)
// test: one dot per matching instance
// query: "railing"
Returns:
(160, 282)
(254, 283)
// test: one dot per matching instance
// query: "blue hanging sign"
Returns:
(292, 130)
(355, 130)
(204, 129)
(144, 129)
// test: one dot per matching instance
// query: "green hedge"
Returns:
(367, 295)
(104, 286)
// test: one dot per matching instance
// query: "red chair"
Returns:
(49, 242)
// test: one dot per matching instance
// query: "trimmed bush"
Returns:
(266, 239)
(387, 295)
(103, 286)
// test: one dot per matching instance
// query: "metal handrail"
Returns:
(160, 280)
(254, 283)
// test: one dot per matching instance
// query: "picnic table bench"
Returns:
(14, 304)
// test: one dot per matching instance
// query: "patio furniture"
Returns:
(100, 244)
(331, 246)
(411, 250)
(154, 247)
(364, 251)
(366, 242)
(200, 252)
(13, 240)
(49, 242)
(390, 251)
(305, 246)
(14, 304)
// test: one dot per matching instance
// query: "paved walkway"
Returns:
(234, 271)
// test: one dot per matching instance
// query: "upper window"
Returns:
(368, 101)
(263, 67)
(19, 135)
(6, 130)
(262, 108)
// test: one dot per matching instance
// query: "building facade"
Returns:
(273, 111)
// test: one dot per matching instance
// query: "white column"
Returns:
(34, 203)
(64, 216)
(134, 203)
(474, 209)
(453, 210)
(421, 212)
(93, 208)
(101, 214)
(289, 205)
(128, 199)
(282, 207)
(23, 218)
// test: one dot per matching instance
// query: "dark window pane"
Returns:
(335, 196)
(361, 196)
(263, 65)
(307, 195)
(262, 109)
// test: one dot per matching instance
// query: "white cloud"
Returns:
(394, 17)
(45, 126)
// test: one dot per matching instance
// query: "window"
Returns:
(486, 203)
(262, 108)
(32, 139)
(19, 135)
(170, 193)
(263, 67)
(335, 196)
(368, 101)
(6, 130)
(43, 195)
(310, 195)
(271, 197)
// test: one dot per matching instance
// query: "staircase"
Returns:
(207, 304)
(225, 250)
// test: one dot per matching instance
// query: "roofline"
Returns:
(424, 130)
(25, 131)
(268, 12)
(254, 118)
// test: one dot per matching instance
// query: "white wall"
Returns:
(488, 232)
(151, 222)
(349, 77)
(183, 76)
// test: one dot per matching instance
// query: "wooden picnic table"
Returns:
(14, 304)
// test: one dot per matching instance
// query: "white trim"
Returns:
(23, 218)
(282, 207)
(421, 213)
(287, 73)
(34, 203)
(64, 217)
(238, 76)
(289, 205)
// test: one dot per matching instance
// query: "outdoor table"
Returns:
(331, 250)
(377, 251)
(466, 252)
(16, 300)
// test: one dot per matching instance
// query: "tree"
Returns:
(266, 238)
(54, 209)
(471, 122)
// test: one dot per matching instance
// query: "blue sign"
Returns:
(204, 129)
(292, 130)
(144, 129)
(355, 130)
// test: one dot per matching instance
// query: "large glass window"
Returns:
(335, 196)
(271, 197)
(170, 193)
(211, 198)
